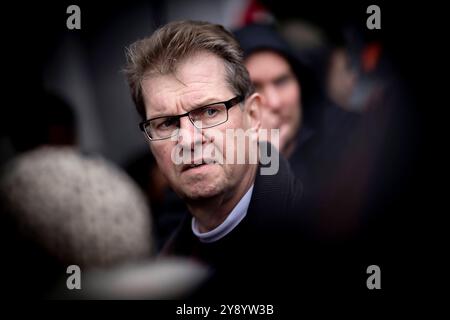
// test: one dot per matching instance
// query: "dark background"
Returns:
(38, 50)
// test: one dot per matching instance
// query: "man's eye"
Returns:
(210, 112)
(168, 123)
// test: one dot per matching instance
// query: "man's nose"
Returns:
(272, 98)
(189, 135)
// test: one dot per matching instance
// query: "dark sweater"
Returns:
(259, 246)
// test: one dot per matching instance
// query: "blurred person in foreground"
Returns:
(61, 208)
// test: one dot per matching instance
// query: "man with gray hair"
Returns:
(195, 97)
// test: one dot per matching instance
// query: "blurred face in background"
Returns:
(275, 80)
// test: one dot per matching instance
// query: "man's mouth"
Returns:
(197, 164)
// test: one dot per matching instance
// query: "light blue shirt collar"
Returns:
(234, 218)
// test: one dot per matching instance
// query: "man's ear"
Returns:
(252, 109)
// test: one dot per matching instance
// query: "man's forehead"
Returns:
(197, 80)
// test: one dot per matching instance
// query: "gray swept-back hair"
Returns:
(162, 52)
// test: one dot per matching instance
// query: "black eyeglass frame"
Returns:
(228, 104)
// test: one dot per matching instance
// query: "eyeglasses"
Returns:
(208, 116)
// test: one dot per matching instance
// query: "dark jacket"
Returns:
(259, 246)
(276, 249)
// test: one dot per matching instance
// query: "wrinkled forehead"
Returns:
(196, 78)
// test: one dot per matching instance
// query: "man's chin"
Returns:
(201, 183)
(200, 192)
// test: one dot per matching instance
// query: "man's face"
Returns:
(275, 81)
(199, 80)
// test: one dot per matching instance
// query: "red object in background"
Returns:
(370, 56)
(255, 12)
